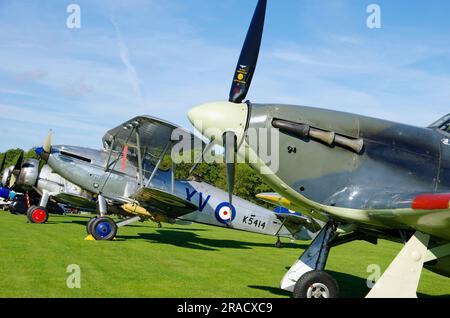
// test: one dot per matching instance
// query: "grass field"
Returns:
(174, 261)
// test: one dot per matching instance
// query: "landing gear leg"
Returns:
(39, 214)
(105, 228)
(306, 277)
(401, 278)
(102, 206)
(278, 242)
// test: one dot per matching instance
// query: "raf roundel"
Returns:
(223, 213)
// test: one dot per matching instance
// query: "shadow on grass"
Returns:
(273, 290)
(350, 286)
(187, 239)
(149, 225)
(420, 295)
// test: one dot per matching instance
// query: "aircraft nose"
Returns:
(214, 119)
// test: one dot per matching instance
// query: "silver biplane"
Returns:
(129, 175)
(32, 187)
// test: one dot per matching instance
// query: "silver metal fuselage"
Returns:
(87, 168)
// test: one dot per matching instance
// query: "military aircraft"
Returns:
(366, 178)
(34, 187)
(127, 176)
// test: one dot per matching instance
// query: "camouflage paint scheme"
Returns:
(363, 175)
(374, 189)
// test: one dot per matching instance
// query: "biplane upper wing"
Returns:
(151, 133)
(163, 202)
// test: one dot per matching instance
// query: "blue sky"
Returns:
(161, 57)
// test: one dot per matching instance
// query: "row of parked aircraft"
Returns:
(126, 178)
(351, 177)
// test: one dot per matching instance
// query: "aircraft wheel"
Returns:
(103, 229)
(316, 284)
(278, 244)
(37, 214)
(89, 225)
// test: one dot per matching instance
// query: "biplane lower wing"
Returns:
(163, 202)
(75, 201)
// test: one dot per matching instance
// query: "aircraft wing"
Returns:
(290, 219)
(163, 202)
(76, 201)
(425, 212)
(154, 134)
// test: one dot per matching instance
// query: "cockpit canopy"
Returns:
(151, 137)
(442, 124)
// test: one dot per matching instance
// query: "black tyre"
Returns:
(37, 214)
(103, 229)
(316, 284)
(89, 225)
(18, 206)
(278, 244)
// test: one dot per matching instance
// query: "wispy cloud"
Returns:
(125, 57)
(166, 56)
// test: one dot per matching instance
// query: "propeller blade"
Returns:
(230, 160)
(249, 55)
(19, 161)
(47, 145)
(2, 164)
(41, 165)
(16, 170)
(12, 180)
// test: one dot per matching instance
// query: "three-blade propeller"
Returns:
(16, 170)
(240, 86)
(42, 152)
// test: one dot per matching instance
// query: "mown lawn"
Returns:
(174, 261)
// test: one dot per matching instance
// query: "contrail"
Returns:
(125, 57)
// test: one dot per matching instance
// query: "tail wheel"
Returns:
(89, 225)
(37, 214)
(316, 284)
(103, 229)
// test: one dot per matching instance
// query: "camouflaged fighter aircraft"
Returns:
(31, 186)
(366, 178)
(127, 176)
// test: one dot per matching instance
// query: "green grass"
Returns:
(175, 261)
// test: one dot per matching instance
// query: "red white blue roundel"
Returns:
(223, 213)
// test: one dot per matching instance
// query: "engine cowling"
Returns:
(29, 174)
